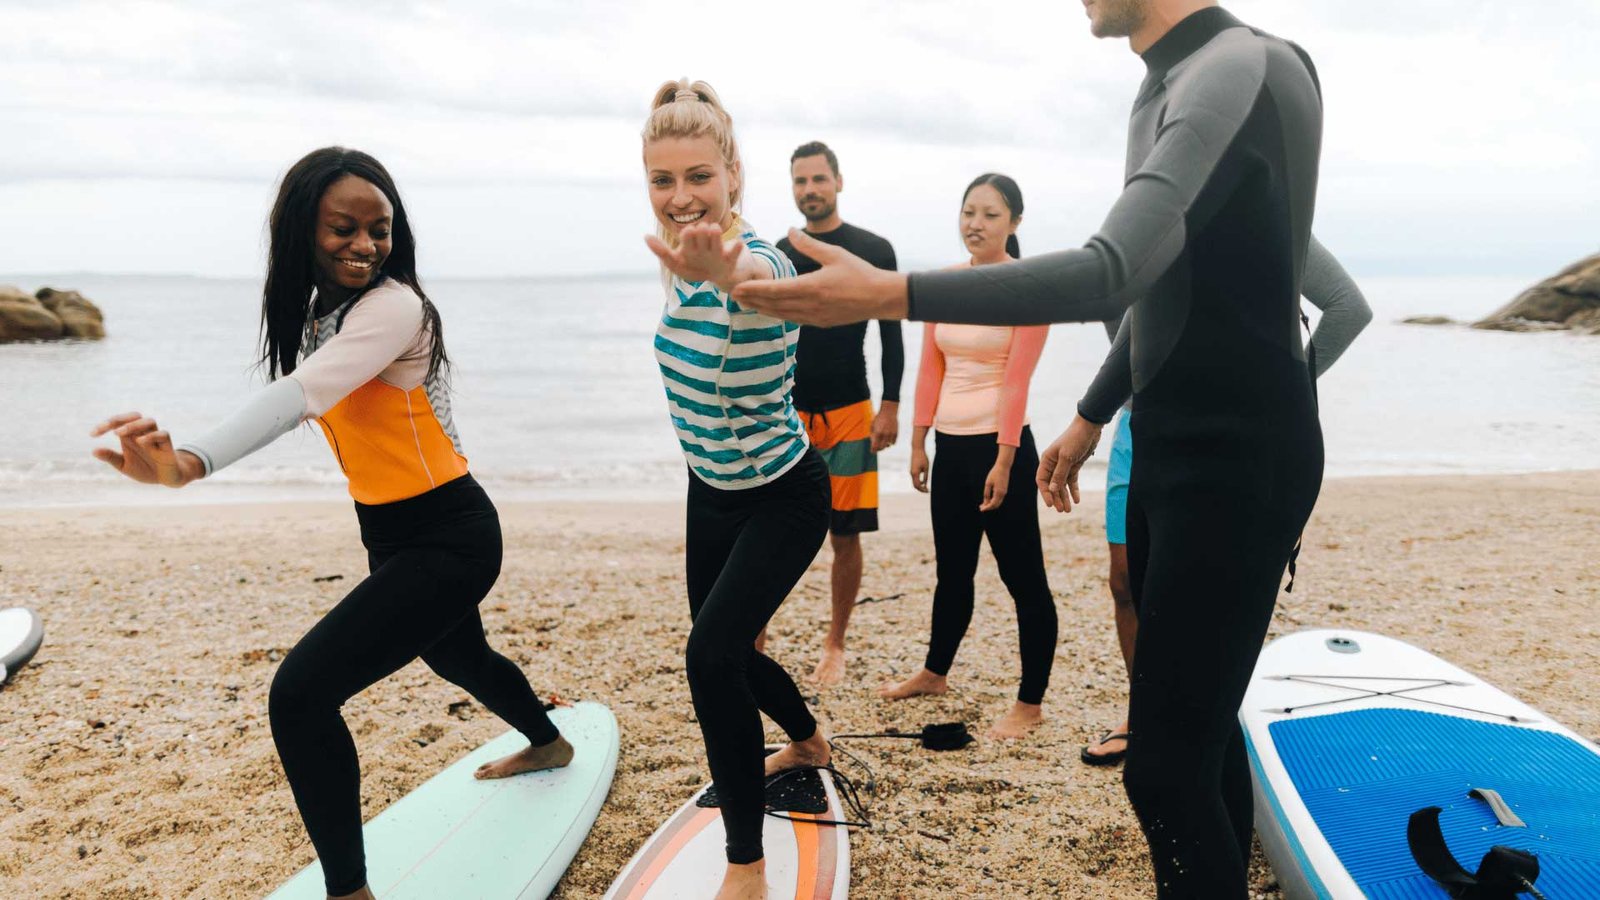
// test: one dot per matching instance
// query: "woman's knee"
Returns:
(297, 691)
(710, 660)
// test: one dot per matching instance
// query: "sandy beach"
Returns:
(136, 760)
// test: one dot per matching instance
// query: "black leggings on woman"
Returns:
(961, 464)
(746, 549)
(1214, 508)
(432, 559)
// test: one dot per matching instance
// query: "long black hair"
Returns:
(1011, 194)
(291, 273)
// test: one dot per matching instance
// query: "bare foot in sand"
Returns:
(1018, 722)
(924, 683)
(813, 751)
(744, 882)
(364, 894)
(830, 669)
(553, 755)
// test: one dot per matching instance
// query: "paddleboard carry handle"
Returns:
(1504, 873)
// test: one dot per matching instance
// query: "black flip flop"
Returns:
(1105, 759)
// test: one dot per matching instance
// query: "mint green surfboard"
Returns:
(460, 838)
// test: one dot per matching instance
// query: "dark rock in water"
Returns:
(1568, 299)
(80, 317)
(24, 318)
(1427, 320)
(1586, 322)
(1519, 325)
(52, 315)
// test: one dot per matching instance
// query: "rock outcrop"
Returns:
(24, 318)
(1570, 299)
(78, 315)
(51, 315)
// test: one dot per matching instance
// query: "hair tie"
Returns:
(685, 94)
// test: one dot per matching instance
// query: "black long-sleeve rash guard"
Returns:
(1207, 243)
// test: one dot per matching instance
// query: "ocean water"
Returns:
(557, 396)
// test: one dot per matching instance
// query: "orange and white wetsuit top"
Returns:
(363, 376)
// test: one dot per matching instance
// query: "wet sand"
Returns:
(136, 760)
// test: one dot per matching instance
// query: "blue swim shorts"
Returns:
(1117, 474)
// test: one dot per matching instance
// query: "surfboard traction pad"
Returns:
(1361, 774)
(797, 790)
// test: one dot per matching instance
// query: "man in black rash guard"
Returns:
(832, 395)
(1207, 245)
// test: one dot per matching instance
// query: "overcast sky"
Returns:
(1460, 135)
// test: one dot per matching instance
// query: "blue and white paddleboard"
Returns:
(21, 633)
(505, 838)
(1350, 733)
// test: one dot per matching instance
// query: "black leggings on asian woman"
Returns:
(432, 559)
(745, 551)
(961, 463)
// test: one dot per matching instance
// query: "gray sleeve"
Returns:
(1344, 310)
(1142, 236)
(271, 413)
(1113, 384)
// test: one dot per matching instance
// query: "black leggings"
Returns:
(1212, 519)
(746, 549)
(432, 559)
(961, 463)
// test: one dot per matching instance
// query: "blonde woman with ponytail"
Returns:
(759, 495)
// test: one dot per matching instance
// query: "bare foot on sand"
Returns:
(553, 755)
(813, 751)
(830, 669)
(924, 683)
(1018, 722)
(744, 882)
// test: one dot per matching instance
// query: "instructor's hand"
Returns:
(846, 289)
(147, 455)
(1059, 465)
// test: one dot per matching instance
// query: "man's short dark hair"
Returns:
(816, 148)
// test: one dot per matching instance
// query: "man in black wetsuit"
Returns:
(1206, 248)
(831, 392)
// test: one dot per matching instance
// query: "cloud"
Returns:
(527, 115)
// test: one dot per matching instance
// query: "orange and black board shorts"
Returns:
(844, 438)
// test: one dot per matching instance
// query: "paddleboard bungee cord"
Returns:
(1367, 693)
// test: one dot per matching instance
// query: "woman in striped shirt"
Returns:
(759, 494)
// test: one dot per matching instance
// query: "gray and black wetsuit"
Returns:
(1206, 250)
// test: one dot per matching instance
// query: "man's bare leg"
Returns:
(1127, 629)
(847, 565)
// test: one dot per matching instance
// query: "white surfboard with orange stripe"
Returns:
(685, 858)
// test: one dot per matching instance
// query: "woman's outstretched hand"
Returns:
(846, 289)
(701, 255)
(147, 455)
(1059, 464)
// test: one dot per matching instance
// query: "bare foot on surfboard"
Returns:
(744, 882)
(553, 755)
(364, 894)
(813, 751)
(922, 684)
(1018, 722)
(830, 669)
